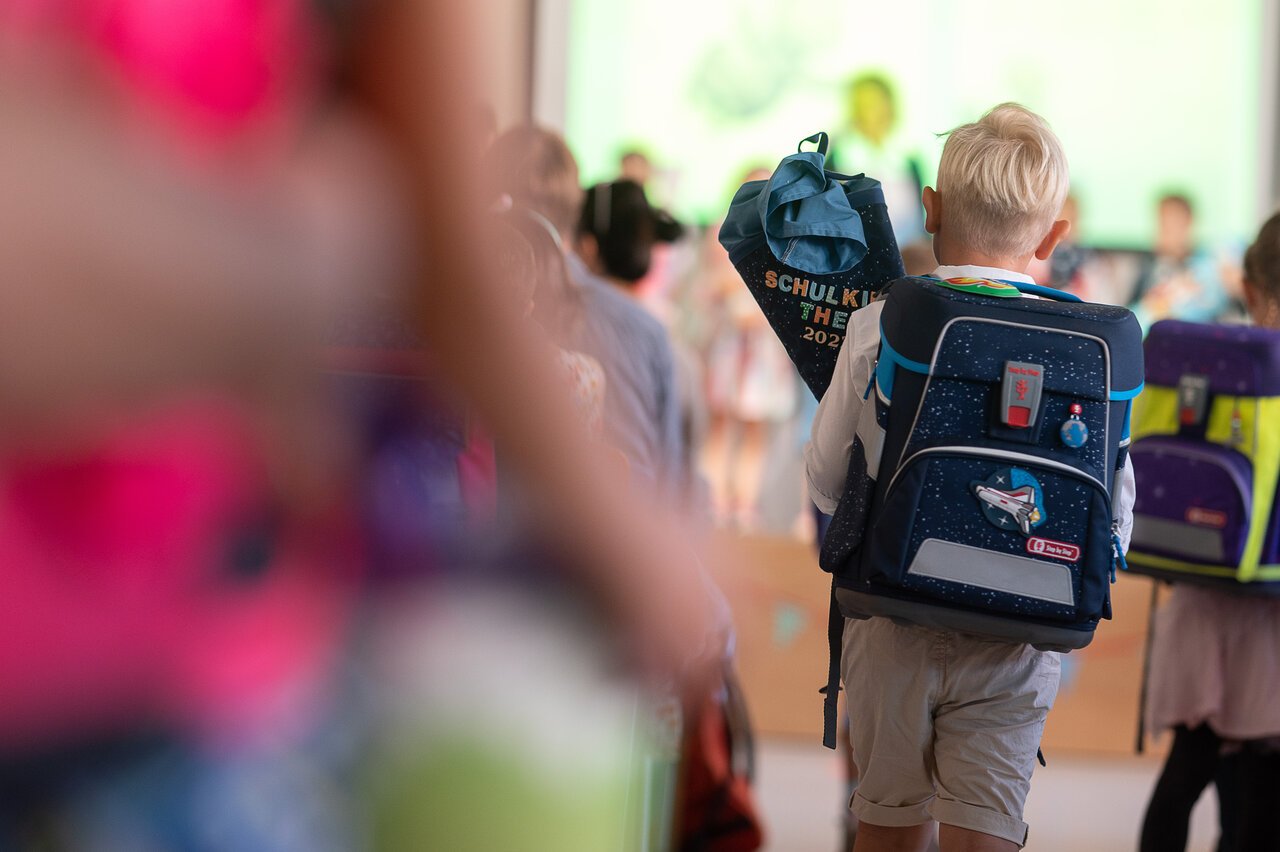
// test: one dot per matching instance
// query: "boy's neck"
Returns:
(963, 256)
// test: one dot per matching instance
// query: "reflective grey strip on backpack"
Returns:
(988, 569)
(1190, 541)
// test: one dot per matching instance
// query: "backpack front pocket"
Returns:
(1194, 500)
(1000, 530)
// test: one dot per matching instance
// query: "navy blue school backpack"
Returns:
(979, 490)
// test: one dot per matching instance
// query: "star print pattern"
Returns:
(816, 360)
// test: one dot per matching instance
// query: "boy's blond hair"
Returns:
(1003, 180)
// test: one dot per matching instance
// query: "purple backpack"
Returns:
(1206, 455)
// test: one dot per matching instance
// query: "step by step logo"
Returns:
(1202, 517)
(1053, 549)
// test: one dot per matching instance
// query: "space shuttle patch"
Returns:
(1011, 499)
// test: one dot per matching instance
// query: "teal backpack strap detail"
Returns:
(888, 360)
(1118, 395)
(820, 139)
(1046, 292)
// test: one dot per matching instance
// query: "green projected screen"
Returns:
(1148, 96)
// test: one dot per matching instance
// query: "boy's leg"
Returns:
(891, 674)
(953, 839)
(987, 729)
(851, 779)
(1190, 767)
(881, 838)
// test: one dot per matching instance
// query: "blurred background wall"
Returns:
(724, 85)
(508, 27)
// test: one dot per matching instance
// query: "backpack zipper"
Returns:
(1003, 455)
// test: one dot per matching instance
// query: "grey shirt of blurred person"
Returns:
(642, 410)
(533, 168)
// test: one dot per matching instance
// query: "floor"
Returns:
(1076, 803)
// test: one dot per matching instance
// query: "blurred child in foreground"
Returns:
(206, 260)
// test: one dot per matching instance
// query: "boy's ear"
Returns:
(1056, 235)
(932, 209)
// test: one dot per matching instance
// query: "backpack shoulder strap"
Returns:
(831, 692)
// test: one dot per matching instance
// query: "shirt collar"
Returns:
(945, 272)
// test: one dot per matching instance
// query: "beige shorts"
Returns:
(944, 726)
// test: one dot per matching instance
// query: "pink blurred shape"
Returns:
(212, 69)
(149, 582)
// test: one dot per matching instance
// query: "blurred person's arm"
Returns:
(128, 276)
(415, 71)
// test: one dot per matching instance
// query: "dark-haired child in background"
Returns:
(616, 236)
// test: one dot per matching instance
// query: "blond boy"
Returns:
(944, 726)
